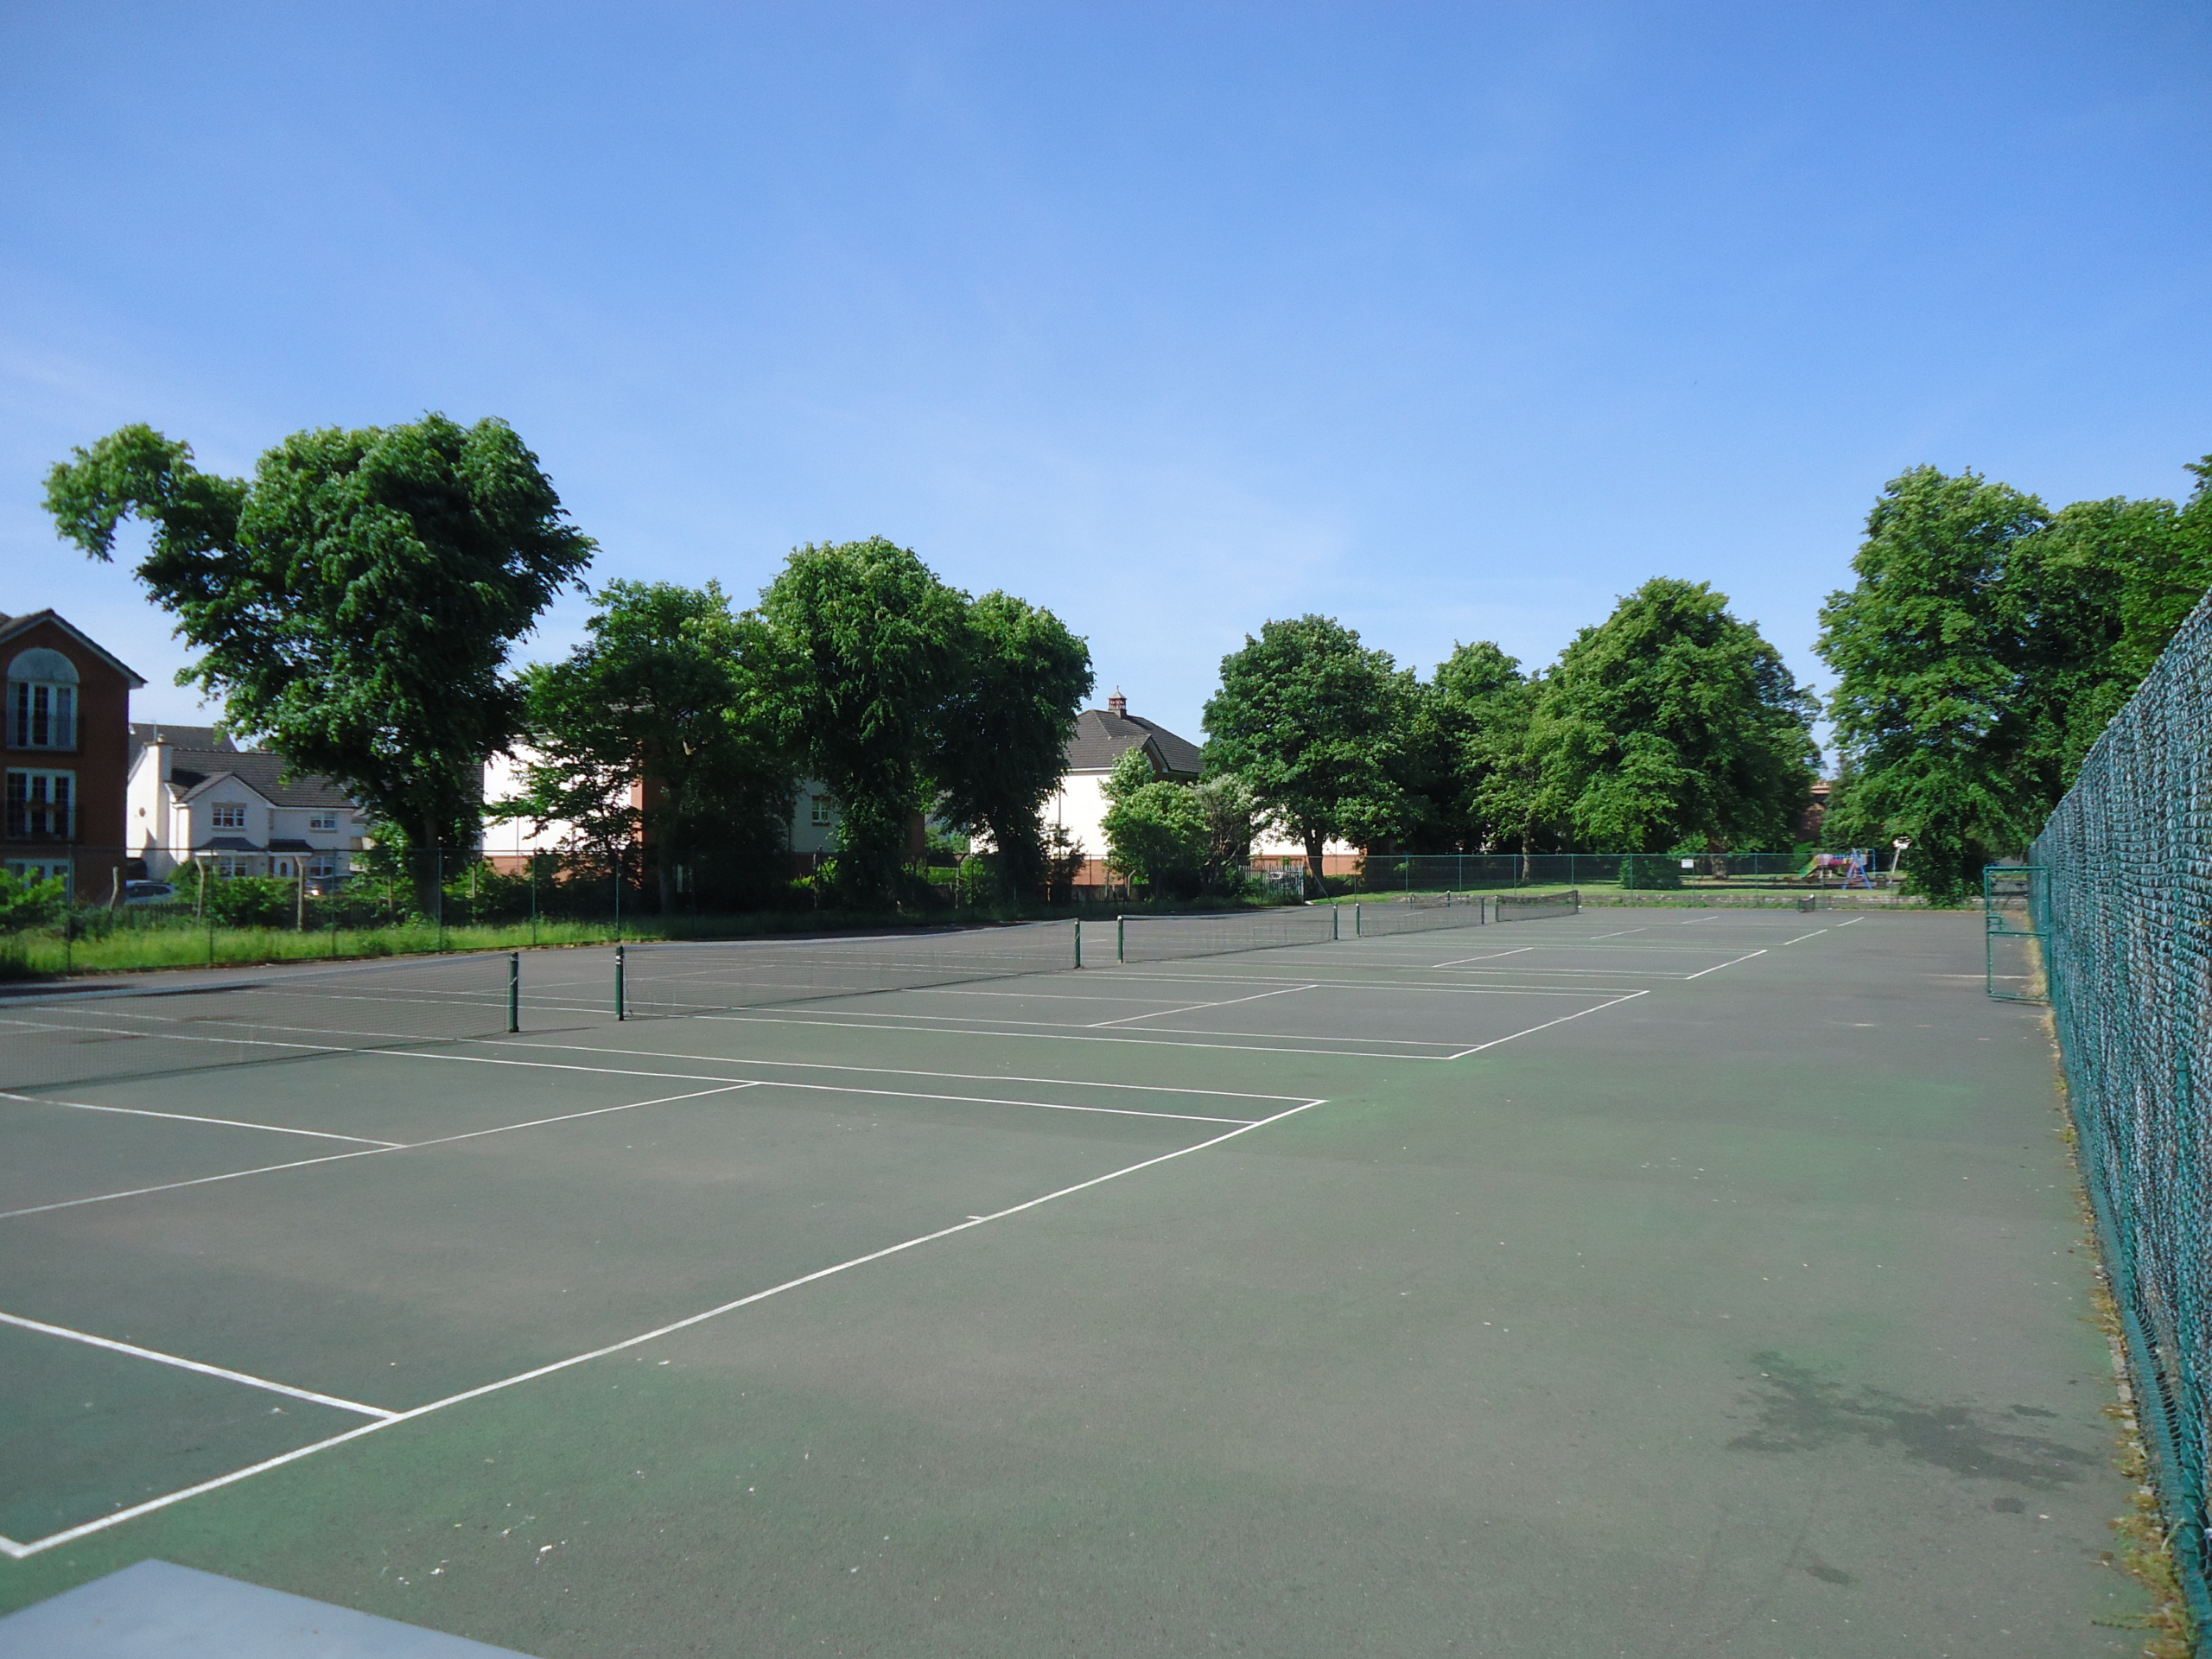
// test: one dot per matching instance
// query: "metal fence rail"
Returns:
(2126, 919)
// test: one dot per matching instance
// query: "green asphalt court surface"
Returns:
(1687, 1282)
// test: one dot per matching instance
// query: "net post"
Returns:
(1335, 931)
(1079, 941)
(619, 1011)
(514, 990)
(1121, 938)
(1355, 919)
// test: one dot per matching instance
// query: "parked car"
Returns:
(149, 893)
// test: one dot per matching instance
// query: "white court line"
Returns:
(1623, 934)
(1192, 1008)
(1814, 934)
(1461, 962)
(1548, 1025)
(187, 1117)
(182, 1364)
(1718, 966)
(20, 1551)
(1041, 1035)
(778, 1082)
(371, 1151)
(886, 1071)
(1853, 922)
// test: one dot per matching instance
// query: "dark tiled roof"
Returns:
(143, 732)
(283, 846)
(191, 771)
(228, 844)
(1102, 737)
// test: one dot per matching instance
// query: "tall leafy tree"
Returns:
(868, 649)
(1671, 722)
(355, 600)
(1462, 719)
(1315, 722)
(1019, 682)
(1931, 651)
(667, 688)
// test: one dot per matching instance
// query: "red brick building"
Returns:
(65, 735)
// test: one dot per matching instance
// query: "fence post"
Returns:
(514, 990)
(619, 1012)
(618, 898)
(533, 897)
(1121, 938)
(439, 857)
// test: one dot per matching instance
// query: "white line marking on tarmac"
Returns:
(1623, 934)
(187, 1117)
(1548, 1025)
(1802, 937)
(182, 1364)
(1192, 1008)
(20, 1551)
(1718, 966)
(1461, 962)
(371, 1151)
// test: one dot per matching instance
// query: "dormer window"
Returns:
(41, 711)
(229, 816)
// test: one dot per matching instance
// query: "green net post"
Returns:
(1079, 941)
(1354, 922)
(619, 1012)
(514, 990)
(1121, 938)
(1335, 931)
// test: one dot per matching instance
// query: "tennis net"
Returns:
(1538, 906)
(1416, 915)
(709, 978)
(1171, 938)
(80, 1039)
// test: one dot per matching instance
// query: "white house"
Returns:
(1102, 737)
(194, 796)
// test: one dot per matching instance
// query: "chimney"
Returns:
(1118, 704)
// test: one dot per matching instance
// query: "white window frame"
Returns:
(40, 795)
(323, 821)
(218, 816)
(823, 811)
(42, 714)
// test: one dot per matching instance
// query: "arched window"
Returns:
(41, 701)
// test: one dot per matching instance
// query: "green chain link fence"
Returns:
(2128, 940)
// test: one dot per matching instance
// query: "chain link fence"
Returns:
(2126, 897)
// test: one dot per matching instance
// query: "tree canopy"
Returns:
(1019, 681)
(867, 650)
(1315, 723)
(1673, 724)
(667, 688)
(355, 600)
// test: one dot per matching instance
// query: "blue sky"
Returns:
(1455, 323)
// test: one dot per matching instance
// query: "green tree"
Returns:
(868, 647)
(667, 688)
(355, 600)
(1315, 723)
(1020, 680)
(1930, 658)
(1673, 723)
(1158, 834)
(1462, 720)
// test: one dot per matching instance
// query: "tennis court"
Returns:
(1647, 1282)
